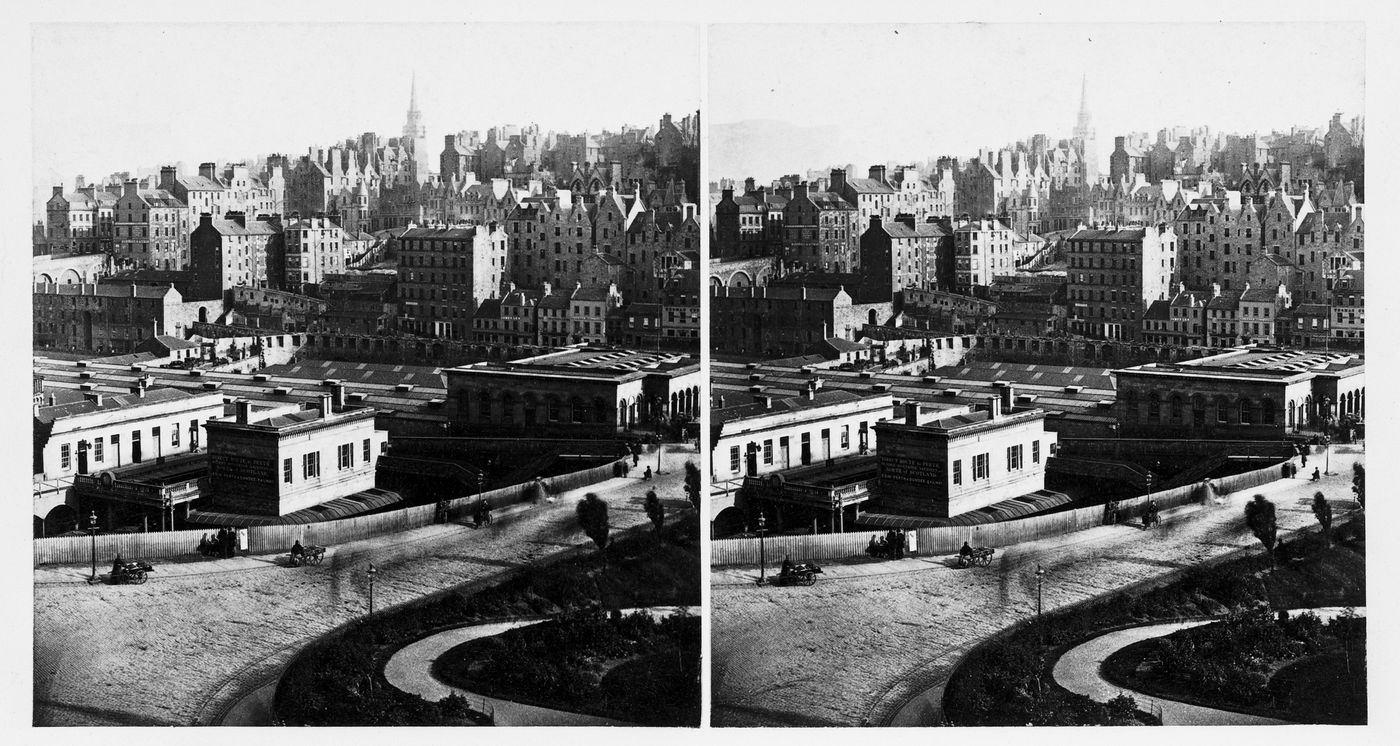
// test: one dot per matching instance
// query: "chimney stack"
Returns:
(811, 392)
(325, 406)
(338, 391)
(95, 398)
(911, 413)
(993, 407)
(244, 410)
(1008, 398)
(838, 180)
(207, 170)
(167, 177)
(58, 191)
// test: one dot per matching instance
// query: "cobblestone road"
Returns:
(852, 650)
(157, 654)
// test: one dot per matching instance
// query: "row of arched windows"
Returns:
(1197, 410)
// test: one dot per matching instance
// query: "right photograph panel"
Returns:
(1037, 382)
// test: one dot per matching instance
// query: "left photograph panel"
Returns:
(366, 375)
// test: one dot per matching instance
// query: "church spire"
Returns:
(413, 92)
(1084, 96)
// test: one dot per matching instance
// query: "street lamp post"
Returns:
(1039, 583)
(370, 573)
(92, 531)
(762, 555)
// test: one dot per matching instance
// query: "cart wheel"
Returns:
(140, 578)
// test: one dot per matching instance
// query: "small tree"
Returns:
(1259, 515)
(1323, 510)
(1358, 483)
(655, 510)
(593, 518)
(692, 484)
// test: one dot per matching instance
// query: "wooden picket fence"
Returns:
(271, 539)
(948, 539)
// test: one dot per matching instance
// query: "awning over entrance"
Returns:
(341, 507)
(1006, 510)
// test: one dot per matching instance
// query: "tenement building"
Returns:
(1114, 275)
(444, 274)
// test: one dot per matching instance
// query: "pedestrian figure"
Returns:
(1304, 454)
(636, 456)
(646, 476)
(899, 544)
(1316, 474)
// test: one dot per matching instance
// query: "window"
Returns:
(734, 458)
(366, 451)
(1013, 457)
(1222, 412)
(97, 449)
(287, 470)
(346, 456)
(845, 437)
(175, 434)
(957, 471)
(768, 451)
(1035, 451)
(311, 465)
(65, 457)
(980, 466)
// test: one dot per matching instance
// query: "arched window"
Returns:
(1198, 411)
(483, 411)
(508, 407)
(577, 410)
(1154, 406)
(552, 407)
(1131, 405)
(1267, 415)
(1222, 410)
(1176, 407)
(600, 410)
(1246, 412)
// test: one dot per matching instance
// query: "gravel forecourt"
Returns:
(851, 651)
(195, 638)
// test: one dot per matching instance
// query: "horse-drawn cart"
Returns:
(802, 574)
(981, 557)
(130, 573)
(310, 555)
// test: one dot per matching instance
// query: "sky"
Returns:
(197, 92)
(907, 92)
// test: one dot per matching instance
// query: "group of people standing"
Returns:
(893, 544)
(224, 543)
